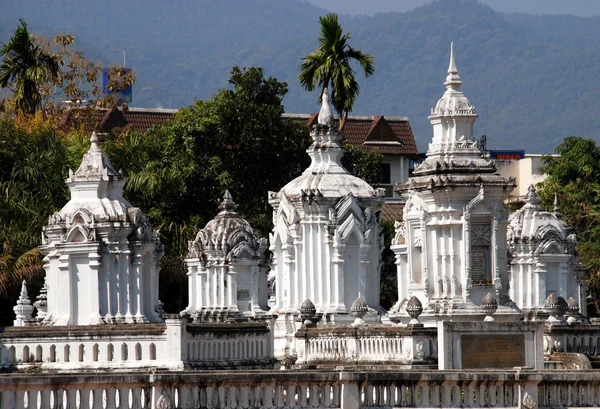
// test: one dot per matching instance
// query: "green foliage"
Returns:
(32, 169)
(25, 67)
(236, 141)
(330, 64)
(389, 277)
(574, 177)
(364, 163)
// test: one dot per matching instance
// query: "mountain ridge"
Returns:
(531, 78)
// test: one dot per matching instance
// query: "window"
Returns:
(385, 173)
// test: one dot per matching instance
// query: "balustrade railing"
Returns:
(582, 339)
(302, 389)
(125, 347)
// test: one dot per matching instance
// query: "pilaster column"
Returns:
(435, 268)
(232, 280)
(118, 284)
(467, 243)
(540, 290)
(94, 288)
(135, 291)
(192, 268)
(64, 281)
(296, 264)
(362, 274)
(222, 303)
(255, 283)
(288, 264)
(202, 284)
(338, 276)
(495, 258)
(127, 293)
(401, 256)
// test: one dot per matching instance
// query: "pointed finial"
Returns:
(453, 79)
(94, 140)
(532, 199)
(23, 309)
(452, 67)
(556, 211)
(325, 114)
(228, 205)
(23, 290)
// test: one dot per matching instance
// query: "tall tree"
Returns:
(33, 165)
(574, 178)
(25, 67)
(331, 64)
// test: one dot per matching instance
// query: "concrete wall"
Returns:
(527, 171)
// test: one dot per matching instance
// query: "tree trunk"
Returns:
(343, 118)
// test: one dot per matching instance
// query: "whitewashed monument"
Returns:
(101, 256)
(325, 242)
(451, 246)
(543, 259)
(227, 269)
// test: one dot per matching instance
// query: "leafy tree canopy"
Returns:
(42, 74)
(330, 65)
(33, 163)
(25, 67)
(574, 177)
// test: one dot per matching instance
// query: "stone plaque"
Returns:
(243, 294)
(478, 263)
(492, 351)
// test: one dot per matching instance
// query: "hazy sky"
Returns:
(585, 8)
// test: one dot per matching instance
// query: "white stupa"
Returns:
(326, 243)
(101, 256)
(451, 246)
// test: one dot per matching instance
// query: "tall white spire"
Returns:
(453, 118)
(453, 79)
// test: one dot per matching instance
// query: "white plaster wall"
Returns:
(398, 170)
(527, 171)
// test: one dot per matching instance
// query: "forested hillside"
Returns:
(533, 79)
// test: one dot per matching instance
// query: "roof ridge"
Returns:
(356, 117)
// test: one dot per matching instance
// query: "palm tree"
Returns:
(330, 63)
(25, 66)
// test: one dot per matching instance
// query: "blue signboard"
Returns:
(507, 155)
(124, 96)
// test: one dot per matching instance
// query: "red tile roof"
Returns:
(390, 136)
(392, 211)
(143, 120)
(139, 119)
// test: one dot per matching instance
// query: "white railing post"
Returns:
(350, 392)
(528, 392)
(176, 340)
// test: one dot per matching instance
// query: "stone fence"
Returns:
(577, 338)
(302, 389)
(175, 345)
(373, 345)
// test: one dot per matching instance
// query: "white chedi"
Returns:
(226, 268)
(451, 245)
(101, 255)
(325, 242)
(543, 257)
